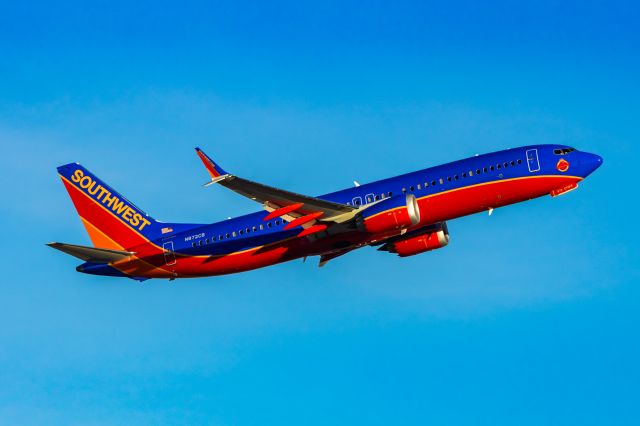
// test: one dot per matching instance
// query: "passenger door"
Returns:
(532, 160)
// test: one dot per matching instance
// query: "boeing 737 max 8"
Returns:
(404, 214)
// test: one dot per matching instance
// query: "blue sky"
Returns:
(530, 316)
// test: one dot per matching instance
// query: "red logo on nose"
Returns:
(563, 165)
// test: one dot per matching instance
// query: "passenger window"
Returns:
(261, 227)
(456, 177)
(193, 244)
(441, 181)
(268, 224)
(470, 173)
(233, 233)
(241, 232)
(498, 167)
(478, 171)
(206, 241)
(404, 190)
(485, 169)
(389, 193)
(411, 188)
(519, 161)
(433, 182)
(227, 235)
(419, 186)
(513, 163)
(492, 169)
(449, 179)
(200, 242)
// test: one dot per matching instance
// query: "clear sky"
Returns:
(528, 317)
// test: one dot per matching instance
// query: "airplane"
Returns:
(405, 215)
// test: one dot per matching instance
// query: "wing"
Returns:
(298, 209)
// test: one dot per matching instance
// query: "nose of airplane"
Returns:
(592, 162)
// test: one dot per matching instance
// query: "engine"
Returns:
(390, 214)
(419, 241)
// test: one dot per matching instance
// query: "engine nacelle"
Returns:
(433, 238)
(390, 214)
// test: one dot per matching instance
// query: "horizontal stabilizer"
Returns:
(92, 254)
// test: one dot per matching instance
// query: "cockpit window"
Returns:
(563, 151)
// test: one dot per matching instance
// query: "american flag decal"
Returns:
(167, 230)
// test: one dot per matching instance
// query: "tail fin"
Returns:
(112, 221)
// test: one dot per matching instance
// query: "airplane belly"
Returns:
(477, 198)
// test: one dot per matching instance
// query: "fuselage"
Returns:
(443, 193)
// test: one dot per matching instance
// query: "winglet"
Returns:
(214, 170)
